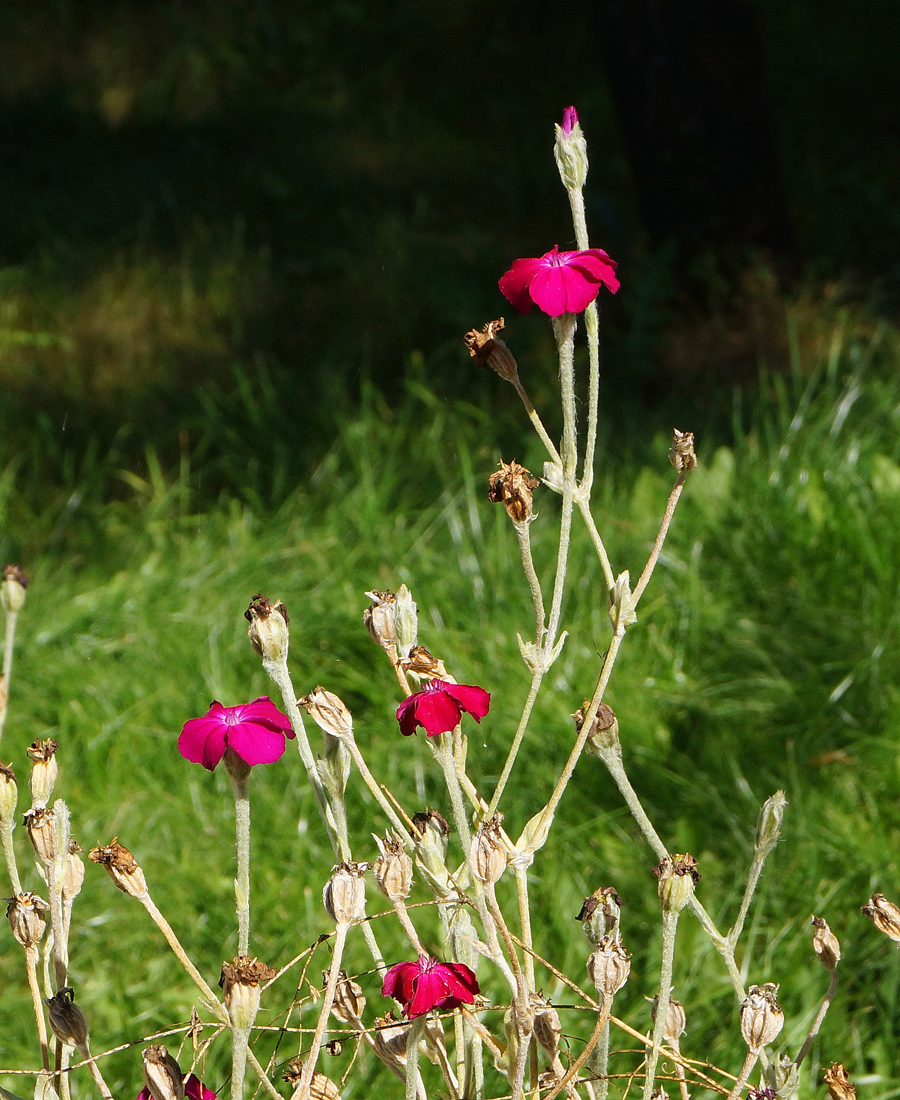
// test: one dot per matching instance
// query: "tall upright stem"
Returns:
(669, 925)
(241, 788)
(9, 639)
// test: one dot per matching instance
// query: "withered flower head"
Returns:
(9, 792)
(825, 943)
(681, 454)
(839, 1086)
(44, 770)
(604, 731)
(345, 892)
(676, 1020)
(422, 663)
(162, 1074)
(884, 914)
(66, 1018)
(379, 620)
(600, 913)
(512, 487)
(121, 866)
(41, 826)
(393, 869)
(489, 350)
(74, 876)
(761, 1016)
(25, 913)
(427, 820)
(320, 1088)
(390, 1039)
(349, 1001)
(12, 588)
(678, 875)
(328, 712)
(609, 966)
(239, 982)
(268, 630)
(547, 1026)
(487, 853)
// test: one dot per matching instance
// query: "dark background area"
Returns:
(218, 216)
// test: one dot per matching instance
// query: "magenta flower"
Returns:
(192, 1089)
(559, 282)
(255, 731)
(570, 120)
(426, 984)
(439, 707)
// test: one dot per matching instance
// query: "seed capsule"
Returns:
(44, 770)
(825, 944)
(609, 966)
(600, 913)
(761, 1016)
(328, 712)
(345, 892)
(12, 589)
(884, 915)
(239, 982)
(490, 351)
(379, 620)
(9, 791)
(162, 1074)
(839, 1086)
(268, 629)
(678, 875)
(25, 913)
(121, 867)
(488, 852)
(393, 870)
(512, 487)
(41, 827)
(66, 1018)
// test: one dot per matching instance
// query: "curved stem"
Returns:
(334, 972)
(523, 534)
(820, 1016)
(516, 742)
(584, 506)
(660, 539)
(536, 421)
(669, 925)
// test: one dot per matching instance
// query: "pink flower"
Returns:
(439, 707)
(570, 120)
(559, 282)
(192, 1089)
(426, 984)
(255, 731)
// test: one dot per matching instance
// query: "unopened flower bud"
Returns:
(600, 913)
(609, 966)
(675, 1022)
(66, 1018)
(12, 589)
(768, 824)
(44, 770)
(839, 1086)
(570, 151)
(783, 1076)
(430, 830)
(268, 630)
(349, 1002)
(239, 982)
(424, 664)
(678, 875)
(122, 868)
(25, 913)
(74, 874)
(487, 853)
(406, 621)
(379, 620)
(512, 487)
(328, 712)
(681, 453)
(761, 1016)
(604, 729)
(162, 1074)
(345, 892)
(489, 350)
(42, 832)
(9, 793)
(825, 943)
(393, 869)
(884, 914)
(547, 1026)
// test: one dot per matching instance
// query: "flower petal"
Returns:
(202, 740)
(264, 711)
(596, 264)
(399, 982)
(193, 1090)
(437, 712)
(474, 700)
(406, 716)
(460, 981)
(514, 285)
(256, 743)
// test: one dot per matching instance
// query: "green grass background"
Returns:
(766, 656)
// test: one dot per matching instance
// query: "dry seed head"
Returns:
(9, 792)
(839, 1086)
(162, 1074)
(349, 1002)
(328, 712)
(678, 875)
(489, 350)
(487, 853)
(44, 770)
(884, 915)
(825, 943)
(42, 832)
(66, 1018)
(239, 982)
(268, 629)
(681, 453)
(761, 1016)
(424, 664)
(768, 824)
(659, 1093)
(345, 892)
(393, 869)
(389, 1037)
(676, 1020)
(74, 875)
(604, 731)
(25, 913)
(547, 1026)
(609, 966)
(379, 620)
(512, 487)
(600, 913)
(121, 867)
(12, 589)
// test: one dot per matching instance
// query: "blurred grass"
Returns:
(766, 656)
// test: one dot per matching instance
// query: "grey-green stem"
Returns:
(412, 1057)
(241, 789)
(9, 639)
(747, 1068)
(820, 1016)
(334, 972)
(9, 852)
(669, 926)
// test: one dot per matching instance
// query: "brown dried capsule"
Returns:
(162, 1074)
(44, 770)
(239, 982)
(547, 1026)
(761, 1016)
(487, 853)
(66, 1018)
(393, 870)
(681, 454)
(839, 1086)
(25, 913)
(122, 868)
(604, 730)
(345, 892)
(884, 914)
(825, 944)
(678, 875)
(349, 1002)
(379, 620)
(41, 827)
(489, 350)
(675, 1022)
(600, 913)
(609, 966)
(328, 712)
(268, 630)
(512, 487)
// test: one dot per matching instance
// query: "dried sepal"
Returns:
(13, 589)
(677, 875)
(681, 454)
(547, 1026)
(884, 914)
(122, 868)
(393, 870)
(603, 733)
(26, 915)
(162, 1074)
(838, 1082)
(44, 770)
(512, 486)
(488, 350)
(487, 853)
(268, 629)
(43, 833)
(345, 892)
(9, 792)
(422, 663)
(379, 621)
(349, 1000)
(761, 1016)
(240, 981)
(67, 1021)
(328, 712)
(768, 824)
(609, 966)
(675, 1022)
(600, 913)
(825, 943)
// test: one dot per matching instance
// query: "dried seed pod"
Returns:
(547, 1026)
(349, 1002)
(379, 620)
(239, 982)
(345, 892)
(600, 913)
(761, 1016)
(678, 875)
(44, 770)
(512, 487)
(25, 913)
(676, 1020)
(424, 664)
(66, 1018)
(825, 944)
(609, 966)
(268, 630)
(884, 914)
(487, 853)
(74, 876)
(9, 792)
(328, 712)
(122, 868)
(12, 589)
(389, 1036)
(393, 869)
(162, 1074)
(604, 729)
(839, 1086)
(489, 350)
(681, 454)
(41, 826)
